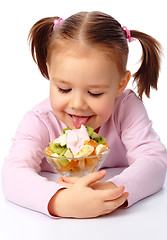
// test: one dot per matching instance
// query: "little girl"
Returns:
(85, 58)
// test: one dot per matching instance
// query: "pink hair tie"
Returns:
(128, 34)
(57, 22)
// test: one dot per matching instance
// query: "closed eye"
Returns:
(96, 95)
(61, 90)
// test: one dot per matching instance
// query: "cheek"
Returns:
(104, 107)
(55, 100)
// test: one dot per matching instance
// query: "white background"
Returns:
(21, 84)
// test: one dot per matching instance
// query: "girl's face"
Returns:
(83, 87)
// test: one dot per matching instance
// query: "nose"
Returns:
(78, 101)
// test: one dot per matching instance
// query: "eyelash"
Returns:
(95, 95)
(64, 90)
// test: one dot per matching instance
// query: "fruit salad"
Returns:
(77, 151)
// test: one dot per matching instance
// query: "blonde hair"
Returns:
(98, 30)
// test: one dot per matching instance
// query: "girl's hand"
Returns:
(69, 181)
(80, 200)
(98, 185)
(64, 183)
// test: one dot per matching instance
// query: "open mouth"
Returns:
(79, 120)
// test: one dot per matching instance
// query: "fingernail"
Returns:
(122, 187)
(127, 194)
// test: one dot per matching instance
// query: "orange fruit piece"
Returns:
(92, 143)
(48, 151)
(105, 144)
(69, 166)
(91, 163)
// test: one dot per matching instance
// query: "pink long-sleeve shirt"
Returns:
(129, 134)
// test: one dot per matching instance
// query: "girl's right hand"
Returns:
(81, 201)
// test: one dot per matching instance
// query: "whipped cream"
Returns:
(76, 139)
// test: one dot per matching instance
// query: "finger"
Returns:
(60, 179)
(114, 204)
(99, 185)
(92, 178)
(111, 194)
(70, 179)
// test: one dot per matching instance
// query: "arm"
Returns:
(146, 155)
(21, 182)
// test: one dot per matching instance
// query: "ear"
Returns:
(124, 82)
(47, 64)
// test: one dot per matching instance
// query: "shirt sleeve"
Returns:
(20, 179)
(146, 155)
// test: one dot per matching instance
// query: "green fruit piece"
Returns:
(63, 150)
(101, 140)
(63, 139)
(65, 129)
(56, 148)
(63, 161)
(95, 135)
(53, 146)
(68, 154)
(90, 131)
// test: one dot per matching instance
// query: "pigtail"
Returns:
(148, 73)
(38, 39)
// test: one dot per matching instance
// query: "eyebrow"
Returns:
(99, 86)
(60, 80)
(89, 86)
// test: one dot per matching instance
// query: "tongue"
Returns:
(78, 121)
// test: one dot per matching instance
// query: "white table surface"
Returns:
(146, 219)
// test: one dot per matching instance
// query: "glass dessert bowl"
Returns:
(77, 152)
(77, 166)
